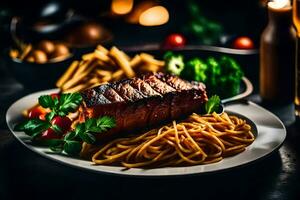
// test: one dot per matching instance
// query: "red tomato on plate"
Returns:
(50, 134)
(53, 95)
(35, 112)
(174, 40)
(243, 43)
(63, 122)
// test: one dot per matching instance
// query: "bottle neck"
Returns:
(281, 17)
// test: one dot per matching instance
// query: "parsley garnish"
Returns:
(67, 103)
(212, 105)
(33, 127)
(71, 141)
(85, 132)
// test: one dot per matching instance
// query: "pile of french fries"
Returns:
(102, 66)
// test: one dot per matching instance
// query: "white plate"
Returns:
(270, 135)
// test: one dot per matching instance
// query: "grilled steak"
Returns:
(143, 102)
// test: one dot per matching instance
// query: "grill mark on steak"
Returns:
(126, 91)
(95, 96)
(174, 81)
(158, 85)
(111, 94)
(145, 89)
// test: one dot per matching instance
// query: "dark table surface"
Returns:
(24, 174)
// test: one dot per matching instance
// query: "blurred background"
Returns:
(131, 22)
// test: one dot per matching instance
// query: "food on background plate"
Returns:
(221, 76)
(150, 101)
(42, 52)
(102, 66)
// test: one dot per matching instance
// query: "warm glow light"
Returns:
(121, 7)
(277, 4)
(154, 16)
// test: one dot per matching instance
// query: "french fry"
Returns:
(77, 78)
(104, 58)
(70, 71)
(96, 84)
(102, 49)
(82, 67)
(77, 88)
(121, 60)
(101, 72)
(101, 56)
(93, 80)
(88, 56)
(149, 59)
(125, 55)
(117, 75)
(101, 64)
(135, 61)
(146, 55)
(106, 78)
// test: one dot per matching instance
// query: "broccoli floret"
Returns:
(213, 72)
(174, 63)
(232, 74)
(195, 69)
(230, 66)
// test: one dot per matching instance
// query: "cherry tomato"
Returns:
(174, 40)
(35, 112)
(243, 43)
(53, 95)
(42, 116)
(63, 122)
(49, 134)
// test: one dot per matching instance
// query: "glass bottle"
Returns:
(277, 57)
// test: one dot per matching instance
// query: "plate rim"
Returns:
(138, 174)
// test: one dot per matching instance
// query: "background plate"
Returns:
(270, 135)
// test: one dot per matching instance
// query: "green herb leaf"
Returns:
(212, 105)
(56, 128)
(57, 149)
(49, 116)
(70, 136)
(68, 102)
(89, 123)
(72, 147)
(33, 127)
(46, 101)
(106, 123)
(88, 138)
(80, 129)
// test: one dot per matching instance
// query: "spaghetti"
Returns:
(198, 140)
